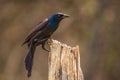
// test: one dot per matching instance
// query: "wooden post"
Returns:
(64, 62)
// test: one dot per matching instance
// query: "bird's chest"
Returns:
(49, 31)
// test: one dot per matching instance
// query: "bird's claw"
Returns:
(43, 47)
(46, 49)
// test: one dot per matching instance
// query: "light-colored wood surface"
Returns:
(64, 62)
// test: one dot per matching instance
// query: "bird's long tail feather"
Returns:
(29, 59)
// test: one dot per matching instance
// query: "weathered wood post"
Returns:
(64, 62)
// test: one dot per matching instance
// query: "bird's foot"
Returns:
(43, 46)
(46, 49)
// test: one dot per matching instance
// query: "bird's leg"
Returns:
(43, 46)
(43, 43)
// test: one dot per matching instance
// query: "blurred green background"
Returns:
(94, 25)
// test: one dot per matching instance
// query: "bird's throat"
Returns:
(53, 24)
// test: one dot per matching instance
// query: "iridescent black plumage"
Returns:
(40, 35)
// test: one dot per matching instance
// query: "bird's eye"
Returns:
(59, 15)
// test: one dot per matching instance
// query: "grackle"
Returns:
(40, 35)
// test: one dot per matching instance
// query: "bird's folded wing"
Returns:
(38, 28)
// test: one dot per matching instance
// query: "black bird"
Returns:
(40, 35)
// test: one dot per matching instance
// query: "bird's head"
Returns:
(56, 18)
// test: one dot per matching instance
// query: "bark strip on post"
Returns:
(64, 62)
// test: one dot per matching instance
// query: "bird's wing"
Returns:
(38, 28)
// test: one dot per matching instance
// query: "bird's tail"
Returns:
(29, 59)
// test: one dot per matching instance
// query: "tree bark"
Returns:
(64, 62)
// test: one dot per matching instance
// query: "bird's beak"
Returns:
(66, 16)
